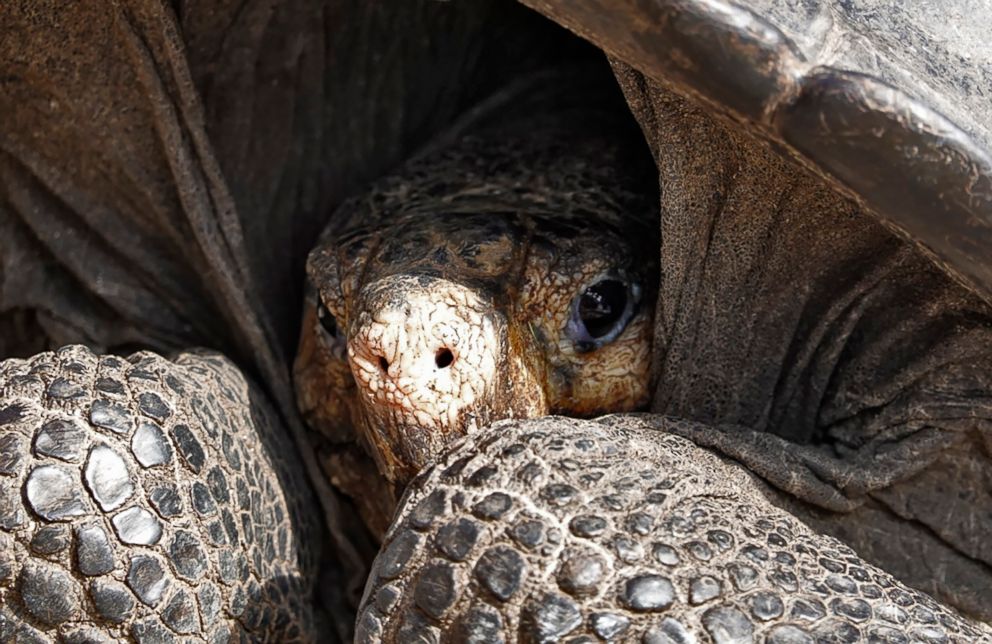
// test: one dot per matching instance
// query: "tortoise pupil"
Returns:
(327, 320)
(602, 305)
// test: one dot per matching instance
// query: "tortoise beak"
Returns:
(429, 359)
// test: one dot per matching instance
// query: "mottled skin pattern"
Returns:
(565, 530)
(480, 251)
(148, 499)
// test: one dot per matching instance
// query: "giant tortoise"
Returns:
(812, 341)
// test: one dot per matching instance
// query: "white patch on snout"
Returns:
(408, 332)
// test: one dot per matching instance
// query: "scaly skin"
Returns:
(556, 529)
(149, 499)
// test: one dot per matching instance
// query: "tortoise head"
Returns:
(481, 283)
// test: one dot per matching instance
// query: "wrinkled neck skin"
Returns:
(453, 287)
(827, 354)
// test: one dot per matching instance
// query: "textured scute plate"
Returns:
(891, 102)
(549, 529)
(148, 499)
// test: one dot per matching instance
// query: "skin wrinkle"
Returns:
(856, 301)
(875, 409)
(686, 306)
(868, 413)
(756, 270)
(107, 249)
(917, 523)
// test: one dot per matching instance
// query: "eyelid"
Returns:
(336, 343)
(331, 302)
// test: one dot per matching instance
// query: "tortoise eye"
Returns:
(327, 320)
(601, 311)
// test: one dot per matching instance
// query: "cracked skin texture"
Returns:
(478, 250)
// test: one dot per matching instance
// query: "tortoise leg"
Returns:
(554, 528)
(150, 499)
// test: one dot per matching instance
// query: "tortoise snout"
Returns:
(408, 351)
(423, 351)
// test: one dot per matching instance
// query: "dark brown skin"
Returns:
(414, 348)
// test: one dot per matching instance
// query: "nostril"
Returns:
(443, 357)
(383, 364)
